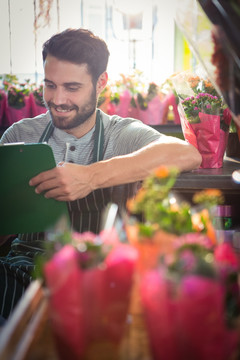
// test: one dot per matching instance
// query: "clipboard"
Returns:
(21, 209)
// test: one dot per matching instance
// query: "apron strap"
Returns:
(47, 133)
(98, 137)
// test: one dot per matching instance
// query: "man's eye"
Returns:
(49, 86)
(72, 89)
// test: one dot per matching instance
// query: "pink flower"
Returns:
(194, 238)
(86, 236)
(225, 255)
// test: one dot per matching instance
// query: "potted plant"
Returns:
(18, 105)
(38, 106)
(205, 118)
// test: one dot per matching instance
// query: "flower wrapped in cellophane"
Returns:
(152, 105)
(205, 118)
(89, 282)
(187, 286)
(191, 302)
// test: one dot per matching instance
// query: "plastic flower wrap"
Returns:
(89, 283)
(211, 29)
(3, 100)
(191, 302)
(188, 282)
(122, 95)
(38, 106)
(205, 118)
(152, 106)
(18, 104)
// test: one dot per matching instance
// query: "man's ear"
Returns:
(102, 82)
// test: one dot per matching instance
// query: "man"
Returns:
(100, 159)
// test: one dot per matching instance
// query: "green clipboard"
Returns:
(21, 209)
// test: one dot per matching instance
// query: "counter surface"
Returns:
(210, 178)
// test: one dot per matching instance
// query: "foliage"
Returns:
(161, 209)
(208, 197)
(38, 95)
(143, 100)
(205, 103)
(16, 91)
(167, 86)
(92, 248)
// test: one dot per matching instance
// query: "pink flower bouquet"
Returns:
(155, 113)
(18, 104)
(153, 106)
(89, 286)
(14, 114)
(188, 306)
(205, 119)
(121, 106)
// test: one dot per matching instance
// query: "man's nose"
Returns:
(59, 97)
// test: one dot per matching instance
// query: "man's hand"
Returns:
(66, 182)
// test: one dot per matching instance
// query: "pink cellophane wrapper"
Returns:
(133, 112)
(36, 108)
(156, 112)
(88, 307)
(224, 255)
(121, 109)
(207, 137)
(186, 320)
(160, 314)
(13, 115)
(2, 108)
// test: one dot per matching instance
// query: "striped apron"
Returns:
(85, 214)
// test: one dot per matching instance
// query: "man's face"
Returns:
(68, 93)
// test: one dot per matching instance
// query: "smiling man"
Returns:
(103, 158)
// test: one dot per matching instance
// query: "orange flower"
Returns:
(198, 224)
(211, 196)
(208, 84)
(194, 82)
(162, 172)
(213, 192)
(133, 201)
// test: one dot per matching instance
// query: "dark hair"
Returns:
(79, 46)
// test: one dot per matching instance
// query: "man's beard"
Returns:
(82, 115)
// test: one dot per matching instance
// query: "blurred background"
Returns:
(141, 34)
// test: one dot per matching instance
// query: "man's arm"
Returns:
(71, 181)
